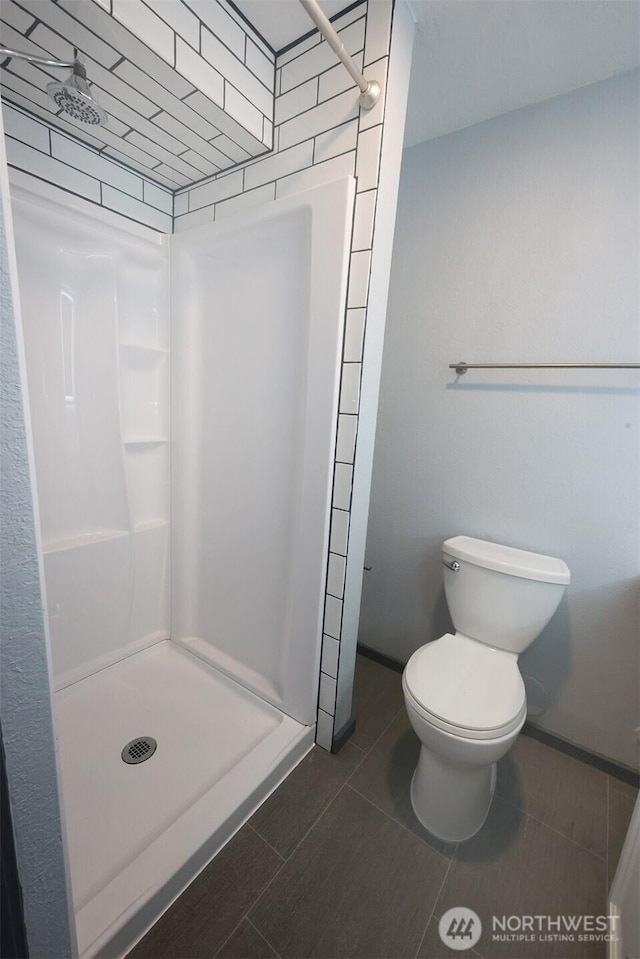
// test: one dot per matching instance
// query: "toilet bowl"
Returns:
(464, 693)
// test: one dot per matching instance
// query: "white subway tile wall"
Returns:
(320, 118)
(354, 335)
(324, 728)
(337, 79)
(316, 175)
(279, 165)
(157, 197)
(192, 100)
(359, 278)
(198, 72)
(249, 116)
(346, 442)
(330, 652)
(221, 21)
(45, 167)
(327, 695)
(143, 22)
(339, 531)
(261, 194)
(296, 101)
(376, 71)
(363, 220)
(321, 57)
(191, 220)
(320, 134)
(23, 128)
(180, 18)
(208, 193)
(335, 575)
(260, 65)
(342, 476)
(341, 139)
(369, 144)
(332, 616)
(102, 168)
(350, 388)
(180, 204)
(378, 31)
(35, 148)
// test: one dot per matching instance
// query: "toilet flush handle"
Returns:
(455, 566)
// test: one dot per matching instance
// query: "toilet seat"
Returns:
(466, 688)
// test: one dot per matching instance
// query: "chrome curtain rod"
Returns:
(369, 89)
(462, 367)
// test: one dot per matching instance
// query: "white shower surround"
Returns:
(118, 674)
(332, 146)
(255, 400)
(95, 307)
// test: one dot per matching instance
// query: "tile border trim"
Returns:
(608, 766)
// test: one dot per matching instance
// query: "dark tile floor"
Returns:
(335, 864)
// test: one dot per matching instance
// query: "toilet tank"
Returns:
(499, 595)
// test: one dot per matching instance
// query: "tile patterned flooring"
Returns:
(335, 864)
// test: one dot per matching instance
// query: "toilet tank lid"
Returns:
(507, 559)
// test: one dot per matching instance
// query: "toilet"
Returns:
(464, 693)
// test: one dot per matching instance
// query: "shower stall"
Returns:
(184, 425)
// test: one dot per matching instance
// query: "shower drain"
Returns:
(139, 749)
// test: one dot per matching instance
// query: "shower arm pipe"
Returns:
(41, 61)
(369, 89)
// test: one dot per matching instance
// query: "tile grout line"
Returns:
(259, 897)
(402, 825)
(513, 805)
(266, 841)
(264, 939)
(236, 928)
(289, 857)
(313, 824)
(375, 743)
(292, 853)
(229, 937)
(435, 904)
(552, 829)
(281, 866)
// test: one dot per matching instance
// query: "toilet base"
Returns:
(451, 801)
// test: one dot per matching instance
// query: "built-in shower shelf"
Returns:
(84, 539)
(148, 352)
(145, 440)
(150, 524)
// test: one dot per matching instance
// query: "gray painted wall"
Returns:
(517, 240)
(25, 702)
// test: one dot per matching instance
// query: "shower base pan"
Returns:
(139, 832)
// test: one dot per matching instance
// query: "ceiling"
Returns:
(282, 21)
(476, 59)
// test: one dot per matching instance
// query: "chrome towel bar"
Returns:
(462, 367)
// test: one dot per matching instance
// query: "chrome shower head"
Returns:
(75, 98)
(74, 95)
